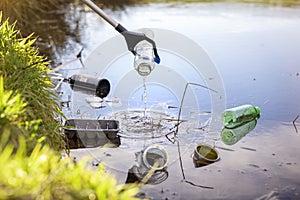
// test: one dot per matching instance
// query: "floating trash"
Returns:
(156, 177)
(232, 136)
(204, 155)
(90, 85)
(237, 116)
(151, 166)
(153, 157)
(82, 133)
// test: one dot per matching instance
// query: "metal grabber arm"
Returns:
(132, 38)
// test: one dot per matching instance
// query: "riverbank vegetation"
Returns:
(24, 73)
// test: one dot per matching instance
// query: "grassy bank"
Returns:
(25, 72)
(30, 141)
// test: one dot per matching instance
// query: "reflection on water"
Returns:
(232, 136)
(265, 162)
(249, 46)
(59, 25)
(256, 50)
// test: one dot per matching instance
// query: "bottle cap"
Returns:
(257, 110)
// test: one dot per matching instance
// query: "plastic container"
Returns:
(144, 60)
(237, 116)
(84, 133)
(204, 155)
(153, 157)
(232, 136)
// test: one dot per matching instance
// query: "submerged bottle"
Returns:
(232, 136)
(89, 85)
(237, 116)
(144, 60)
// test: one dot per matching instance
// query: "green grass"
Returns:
(45, 175)
(24, 72)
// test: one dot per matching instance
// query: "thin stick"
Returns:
(201, 186)
(295, 124)
(180, 160)
(182, 170)
(182, 99)
(78, 57)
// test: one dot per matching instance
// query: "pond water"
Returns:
(255, 49)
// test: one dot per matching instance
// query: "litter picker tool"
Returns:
(132, 38)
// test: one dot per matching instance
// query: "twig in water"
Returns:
(247, 148)
(182, 170)
(202, 128)
(180, 160)
(182, 99)
(295, 124)
(223, 148)
(167, 136)
(79, 56)
(201, 186)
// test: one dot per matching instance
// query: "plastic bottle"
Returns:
(143, 60)
(232, 136)
(237, 116)
(89, 85)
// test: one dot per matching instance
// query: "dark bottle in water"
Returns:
(90, 85)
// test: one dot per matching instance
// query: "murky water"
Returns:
(256, 51)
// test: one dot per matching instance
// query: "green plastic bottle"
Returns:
(232, 136)
(237, 116)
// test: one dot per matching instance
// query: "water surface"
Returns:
(256, 50)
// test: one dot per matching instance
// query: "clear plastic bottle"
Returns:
(232, 136)
(144, 60)
(237, 116)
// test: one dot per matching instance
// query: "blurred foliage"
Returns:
(48, 19)
(25, 75)
(43, 173)
(46, 175)
(28, 11)
(12, 119)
